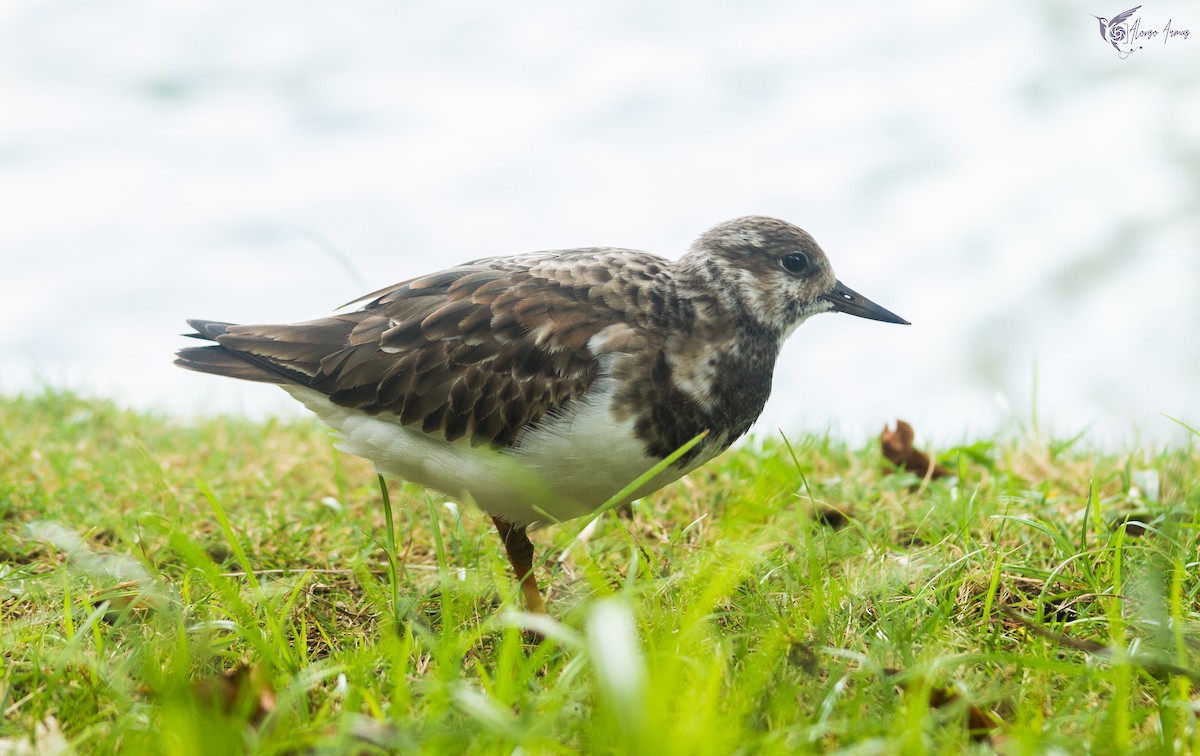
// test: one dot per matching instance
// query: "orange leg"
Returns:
(520, 556)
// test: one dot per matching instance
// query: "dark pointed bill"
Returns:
(847, 300)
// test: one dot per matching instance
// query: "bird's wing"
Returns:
(478, 351)
(1120, 19)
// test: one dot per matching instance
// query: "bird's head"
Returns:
(774, 273)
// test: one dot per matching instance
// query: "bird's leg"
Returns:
(520, 556)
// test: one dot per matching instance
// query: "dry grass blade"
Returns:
(1157, 667)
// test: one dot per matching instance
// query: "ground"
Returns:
(224, 586)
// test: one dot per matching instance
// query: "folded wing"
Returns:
(479, 351)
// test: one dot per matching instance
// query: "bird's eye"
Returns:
(796, 262)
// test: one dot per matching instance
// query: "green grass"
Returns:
(223, 586)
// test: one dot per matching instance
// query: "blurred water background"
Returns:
(994, 172)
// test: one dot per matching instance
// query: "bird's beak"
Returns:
(845, 299)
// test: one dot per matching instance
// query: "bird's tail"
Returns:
(219, 360)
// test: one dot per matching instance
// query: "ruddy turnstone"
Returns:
(539, 386)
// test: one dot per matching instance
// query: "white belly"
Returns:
(566, 467)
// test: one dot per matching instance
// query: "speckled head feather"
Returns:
(745, 259)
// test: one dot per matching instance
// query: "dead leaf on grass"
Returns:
(898, 449)
(981, 725)
(244, 691)
(1138, 524)
(831, 516)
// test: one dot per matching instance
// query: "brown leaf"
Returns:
(801, 654)
(831, 516)
(244, 690)
(898, 449)
(981, 725)
(1137, 524)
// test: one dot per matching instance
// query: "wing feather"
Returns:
(480, 351)
(1120, 18)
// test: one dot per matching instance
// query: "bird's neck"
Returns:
(718, 298)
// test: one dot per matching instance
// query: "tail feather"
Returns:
(208, 330)
(220, 360)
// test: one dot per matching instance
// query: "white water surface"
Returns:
(994, 172)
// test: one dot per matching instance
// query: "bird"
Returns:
(540, 386)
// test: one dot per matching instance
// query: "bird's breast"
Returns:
(678, 391)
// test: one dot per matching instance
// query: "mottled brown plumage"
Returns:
(569, 373)
(479, 351)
